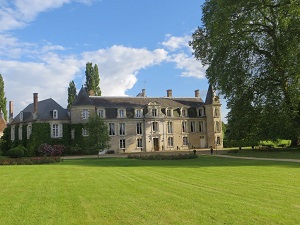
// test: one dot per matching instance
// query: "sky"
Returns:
(137, 44)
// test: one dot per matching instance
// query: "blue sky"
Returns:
(135, 43)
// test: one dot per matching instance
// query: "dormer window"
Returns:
(138, 113)
(21, 116)
(169, 112)
(183, 112)
(121, 113)
(55, 114)
(101, 113)
(85, 114)
(154, 112)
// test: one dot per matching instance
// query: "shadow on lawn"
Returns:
(201, 161)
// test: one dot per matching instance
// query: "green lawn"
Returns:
(207, 190)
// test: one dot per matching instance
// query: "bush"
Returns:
(16, 152)
(29, 161)
(49, 150)
(163, 157)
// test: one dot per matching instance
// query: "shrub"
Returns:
(16, 152)
(163, 157)
(49, 150)
(29, 161)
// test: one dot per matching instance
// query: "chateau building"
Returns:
(135, 124)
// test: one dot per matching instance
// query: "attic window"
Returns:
(21, 116)
(55, 114)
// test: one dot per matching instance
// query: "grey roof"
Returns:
(45, 112)
(209, 95)
(82, 98)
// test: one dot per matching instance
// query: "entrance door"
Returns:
(156, 144)
(202, 142)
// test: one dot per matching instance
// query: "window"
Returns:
(154, 126)
(73, 134)
(184, 127)
(183, 112)
(56, 130)
(139, 142)
(201, 126)
(218, 128)
(29, 130)
(139, 128)
(20, 133)
(55, 114)
(217, 113)
(12, 133)
(185, 140)
(169, 113)
(122, 143)
(170, 142)
(85, 114)
(218, 140)
(101, 113)
(154, 112)
(193, 126)
(122, 128)
(200, 112)
(85, 132)
(21, 116)
(170, 127)
(111, 127)
(121, 113)
(138, 113)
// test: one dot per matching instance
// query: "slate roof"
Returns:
(45, 112)
(82, 98)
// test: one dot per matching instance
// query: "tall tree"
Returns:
(71, 93)
(252, 49)
(92, 79)
(3, 100)
(98, 138)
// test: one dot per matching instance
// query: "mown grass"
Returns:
(277, 153)
(207, 190)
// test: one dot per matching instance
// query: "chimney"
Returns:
(92, 93)
(11, 111)
(197, 95)
(143, 92)
(35, 102)
(169, 93)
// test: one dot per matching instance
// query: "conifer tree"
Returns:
(3, 100)
(71, 93)
(92, 79)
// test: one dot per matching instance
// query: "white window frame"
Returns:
(138, 113)
(169, 112)
(29, 131)
(111, 129)
(55, 114)
(185, 141)
(154, 112)
(121, 113)
(122, 143)
(170, 141)
(155, 126)
(139, 142)
(101, 113)
(184, 126)
(121, 129)
(20, 133)
(193, 126)
(56, 130)
(85, 132)
(184, 112)
(139, 128)
(218, 126)
(85, 114)
(170, 127)
(201, 126)
(13, 132)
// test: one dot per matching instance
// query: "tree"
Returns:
(98, 138)
(92, 79)
(71, 93)
(3, 100)
(252, 50)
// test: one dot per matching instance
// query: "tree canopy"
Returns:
(3, 100)
(92, 79)
(71, 94)
(252, 50)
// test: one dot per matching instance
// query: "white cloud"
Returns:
(174, 43)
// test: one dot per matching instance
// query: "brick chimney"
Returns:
(169, 93)
(197, 95)
(11, 111)
(92, 93)
(143, 92)
(35, 105)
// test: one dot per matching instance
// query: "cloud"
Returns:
(174, 43)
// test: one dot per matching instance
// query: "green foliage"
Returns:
(252, 49)
(71, 94)
(92, 79)
(3, 100)
(5, 143)
(16, 152)
(98, 137)
(29, 161)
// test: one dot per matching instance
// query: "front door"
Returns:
(202, 142)
(156, 144)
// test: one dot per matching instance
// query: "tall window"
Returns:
(170, 142)
(217, 113)
(155, 126)
(56, 130)
(122, 113)
(20, 132)
(85, 114)
(122, 128)
(122, 143)
(29, 130)
(138, 113)
(183, 112)
(55, 114)
(218, 127)
(154, 112)
(169, 112)
(85, 132)
(139, 142)
(201, 126)
(12, 137)
(101, 113)
(200, 112)
(170, 127)
(184, 126)
(185, 141)
(139, 128)
(193, 126)
(111, 127)
(218, 140)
